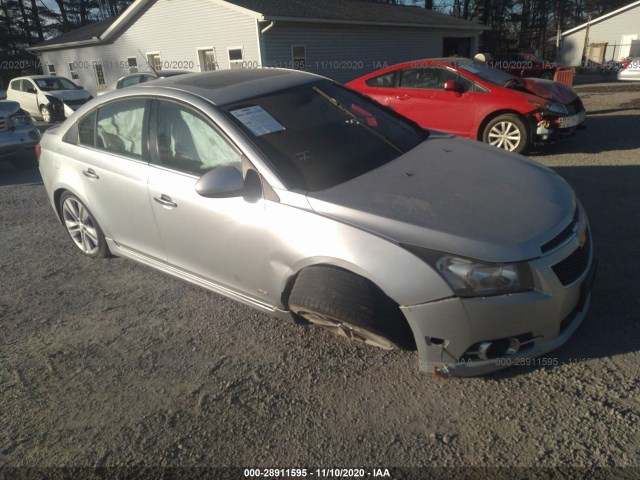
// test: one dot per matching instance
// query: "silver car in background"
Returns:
(299, 197)
(18, 136)
(630, 70)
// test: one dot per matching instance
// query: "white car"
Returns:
(630, 70)
(47, 97)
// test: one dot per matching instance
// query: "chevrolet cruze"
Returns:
(297, 196)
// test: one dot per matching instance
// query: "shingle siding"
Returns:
(608, 31)
(344, 52)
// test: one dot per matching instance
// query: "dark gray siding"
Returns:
(344, 52)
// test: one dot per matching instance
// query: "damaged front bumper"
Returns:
(550, 128)
(475, 336)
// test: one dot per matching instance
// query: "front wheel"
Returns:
(45, 113)
(508, 132)
(350, 306)
(82, 227)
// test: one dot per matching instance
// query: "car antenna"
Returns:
(148, 63)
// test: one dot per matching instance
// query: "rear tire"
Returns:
(82, 227)
(350, 306)
(508, 132)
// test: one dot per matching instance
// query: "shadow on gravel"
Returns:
(611, 197)
(603, 134)
(9, 175)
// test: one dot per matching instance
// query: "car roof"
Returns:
(39, 77)
(230, 86)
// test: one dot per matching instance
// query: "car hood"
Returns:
(549, 90)
(69, 94)
(457, 196)
(8, 107)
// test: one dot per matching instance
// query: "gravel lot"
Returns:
(110, 363)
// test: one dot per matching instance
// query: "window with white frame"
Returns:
(236, 57)
(207, 59)
(132, 63)
(73, 71)
(52, 69)
(97, 69)
(299, 56)
(155, 60)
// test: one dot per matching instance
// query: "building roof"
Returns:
(602, 18)
(351, 11)
(82, 34)
(354, 12)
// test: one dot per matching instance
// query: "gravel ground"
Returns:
(110, 363)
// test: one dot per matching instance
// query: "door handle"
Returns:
(402, 97)
(165, 201)
(90, 173)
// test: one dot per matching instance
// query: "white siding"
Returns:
(344, 52)
(608, 31)
(176, 30)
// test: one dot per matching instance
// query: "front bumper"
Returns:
(449, 332)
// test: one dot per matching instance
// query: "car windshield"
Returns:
(485, 72)
(321, 134)
(55, 83)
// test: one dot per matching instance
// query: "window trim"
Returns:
(294, 58)
(97, 64)
(200, 50)
(130, 67)
(235, 62)
(151, 62)
(73, 71)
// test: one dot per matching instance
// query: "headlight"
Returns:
(473, 278)
(557, 108)
(20, 119)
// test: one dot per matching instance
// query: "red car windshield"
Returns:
(485, 72)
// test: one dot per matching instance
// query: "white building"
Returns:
(341, 39)
(613, 36)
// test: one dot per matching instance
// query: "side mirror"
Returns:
(453, 86)
(221, 182)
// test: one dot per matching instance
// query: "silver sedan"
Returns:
(299, 197)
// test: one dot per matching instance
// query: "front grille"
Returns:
(564, 235)
(572, 267)
(73, 103)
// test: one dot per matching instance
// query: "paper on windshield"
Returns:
(257, 120)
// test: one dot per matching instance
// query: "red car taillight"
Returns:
(38, 151)
(625, 63)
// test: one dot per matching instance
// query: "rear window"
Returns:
(321, 134)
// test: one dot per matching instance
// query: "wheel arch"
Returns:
(291, 281)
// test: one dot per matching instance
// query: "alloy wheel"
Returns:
(80, 226)
(344, 329)
(505, 135)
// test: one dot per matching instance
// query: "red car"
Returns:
(471, 99)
